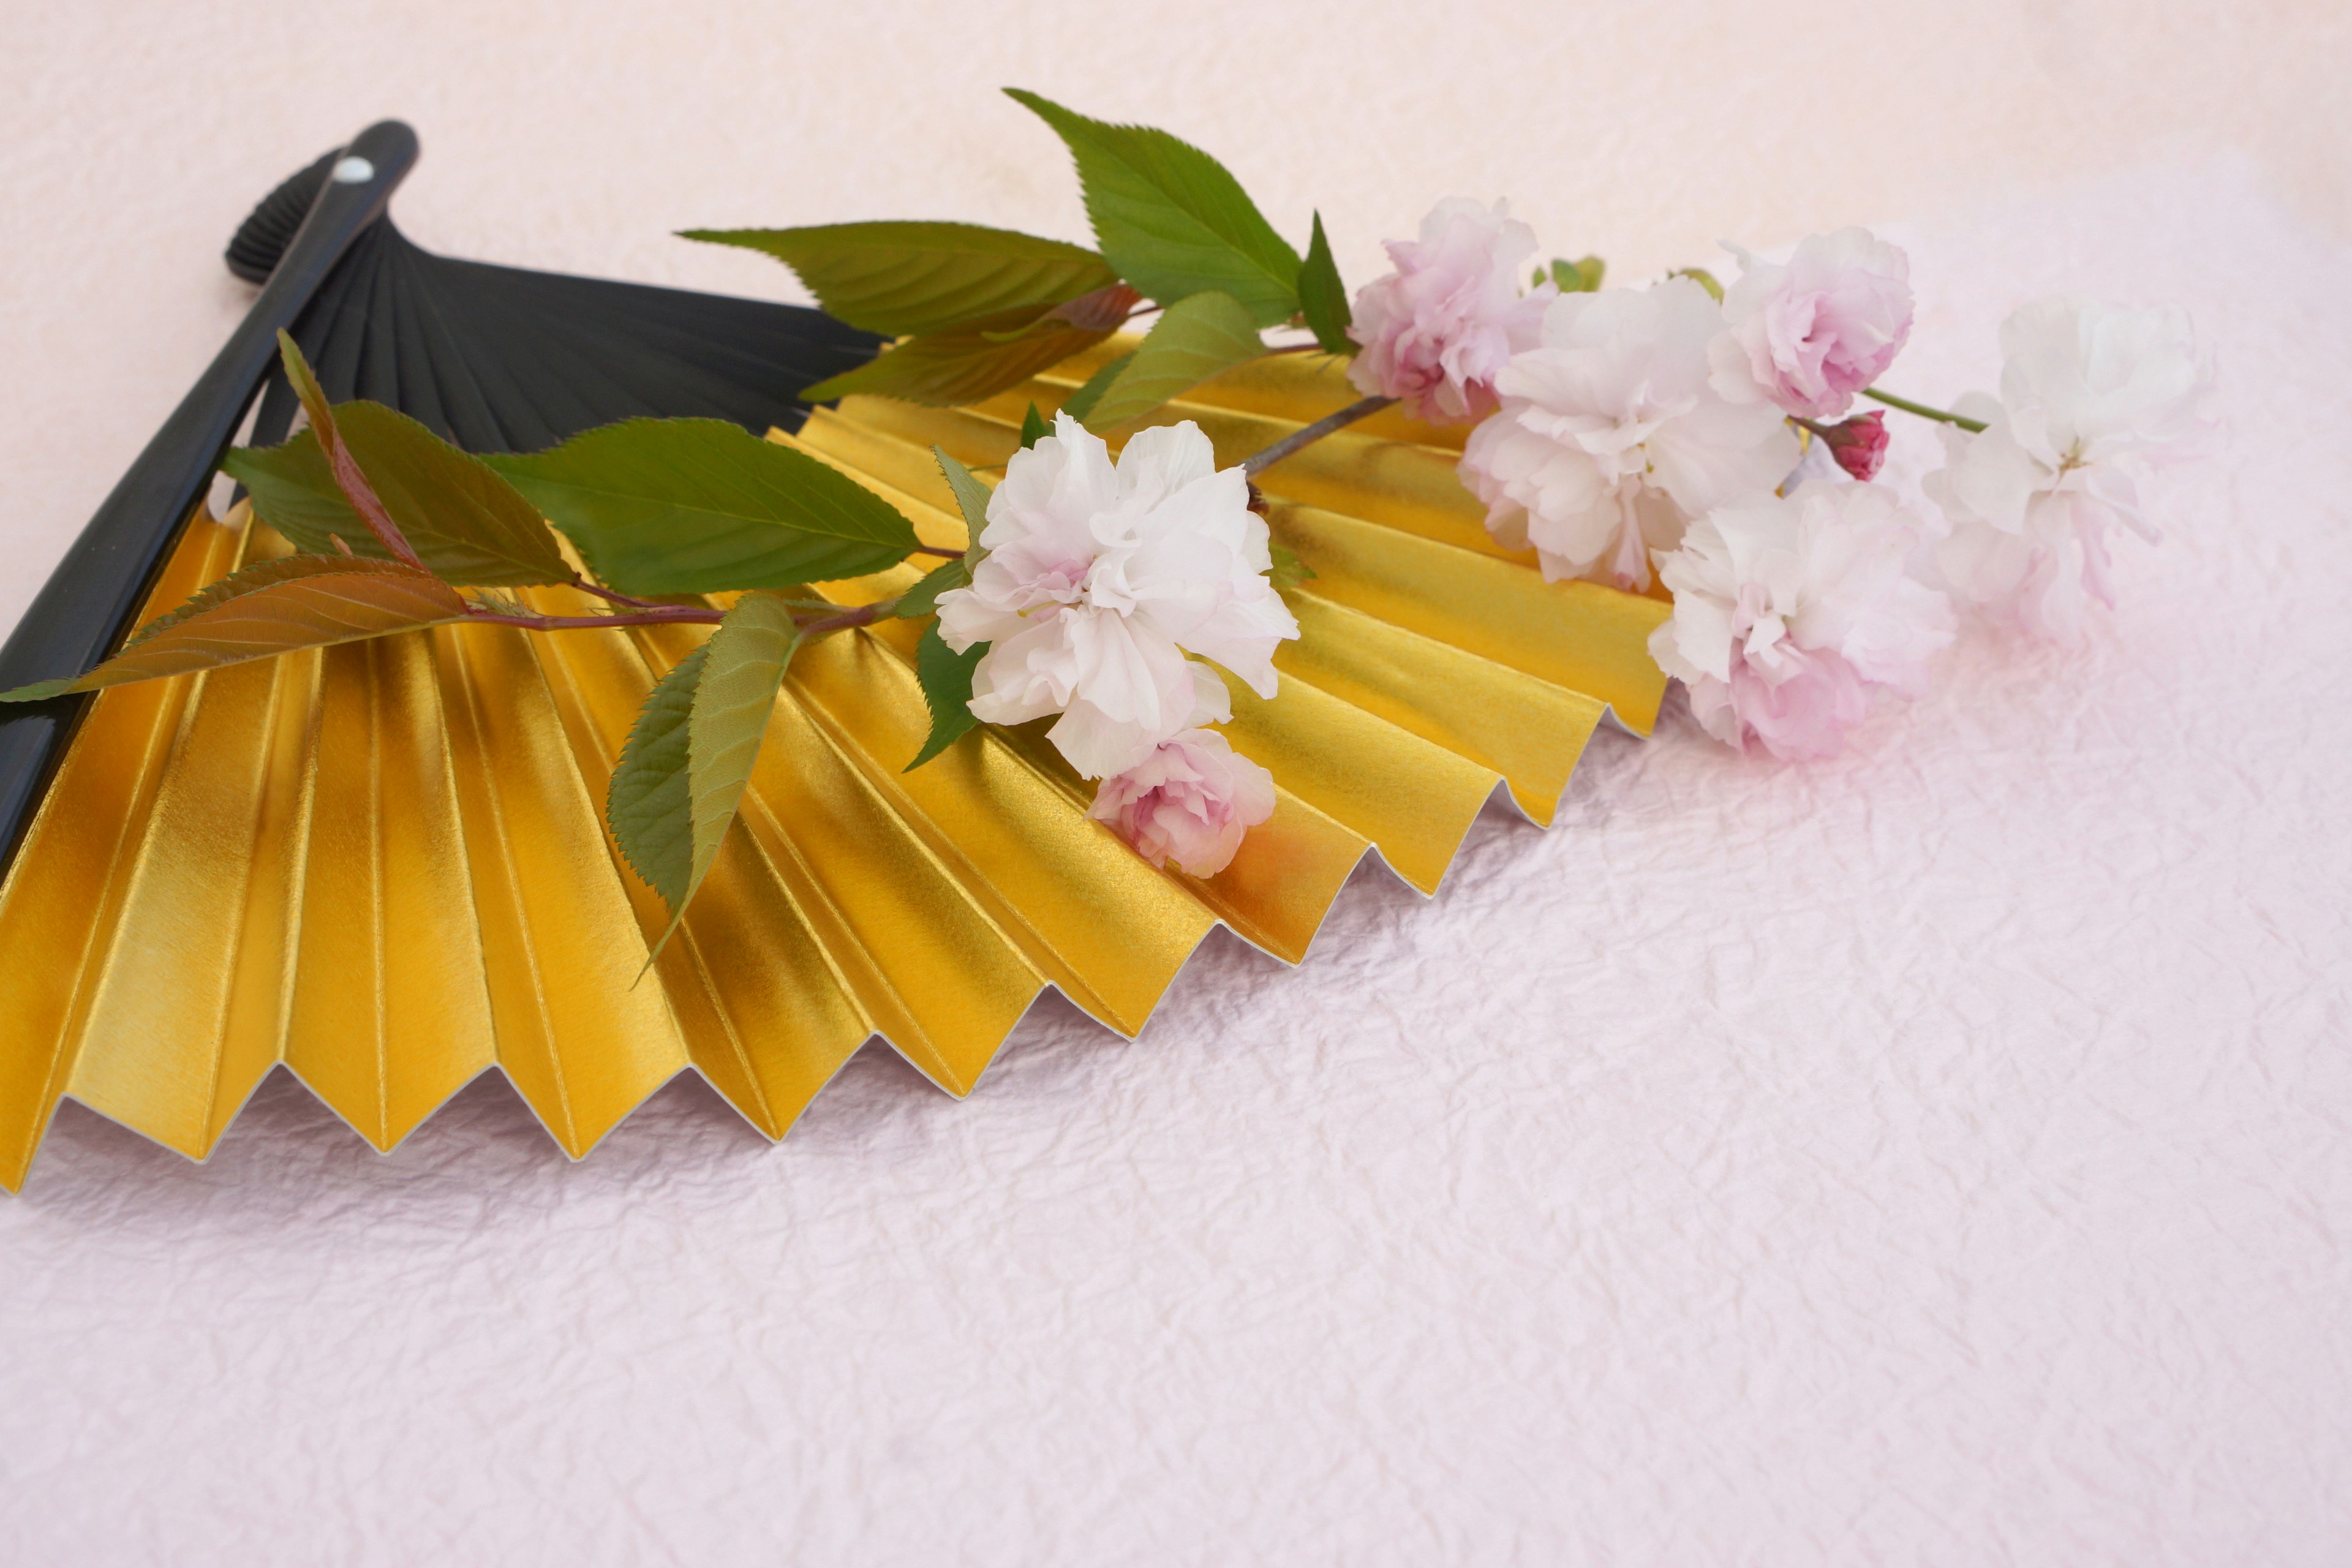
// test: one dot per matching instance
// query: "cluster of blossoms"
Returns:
(1628, 431)
(1626, 435)
(1100, 580)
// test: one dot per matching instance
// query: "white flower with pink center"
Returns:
(1610, 436)
(1809, 333)
(1100, 578)
(1790, 611)
(1437, 329)
(2093, 398)
(1190, 801)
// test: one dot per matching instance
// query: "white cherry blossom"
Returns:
(2093, 398)
(1100, 578)
(1610, 436)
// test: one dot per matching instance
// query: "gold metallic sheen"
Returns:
(384, 866)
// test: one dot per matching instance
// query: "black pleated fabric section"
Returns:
(497, 359)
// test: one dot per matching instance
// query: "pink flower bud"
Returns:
(1190, 801)
(1858, 444)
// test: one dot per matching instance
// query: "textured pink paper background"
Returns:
(1936, 1156)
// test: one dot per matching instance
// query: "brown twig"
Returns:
(679, 614)
(864, 616)
(657, 616)
(1307, 435)
(610, 597)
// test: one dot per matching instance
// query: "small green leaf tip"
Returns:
(971, 494)
(1034, 428)
(945, 677)
(1323, 299)
(1704, 279)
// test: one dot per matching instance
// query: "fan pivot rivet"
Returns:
(354, 171)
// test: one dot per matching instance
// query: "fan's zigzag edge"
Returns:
(1499, 788)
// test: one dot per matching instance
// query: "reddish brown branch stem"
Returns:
(610, 597)
(659, 615)
(677, 615)
(864, 616)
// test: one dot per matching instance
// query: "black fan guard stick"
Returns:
(85, 609)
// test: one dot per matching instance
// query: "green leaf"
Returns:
(971, 500)
(649, 804)
(700, 506)
(1034, 430)
(1322, 298)
(1081, 402)
(923, 598)
(1193, 340)
(970, 365)
(1289, 570)
(945, 677)
(1171, 219)
(917, 278)
(742, 668)
(466, 523)
(278, 606)
(971, 494)
(1578, 277)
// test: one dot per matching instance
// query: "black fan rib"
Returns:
(501, 359)
(269, 229)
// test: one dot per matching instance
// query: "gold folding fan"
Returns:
(384, 865)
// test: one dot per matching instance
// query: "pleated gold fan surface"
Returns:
(385, 865)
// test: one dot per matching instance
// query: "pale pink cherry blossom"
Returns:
(1612, 436)
(1790, 611)
(1100, 577)
(1190, 801)
(1435, 331)
(1809, 333)
(2093, 399)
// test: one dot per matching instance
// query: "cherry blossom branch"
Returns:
(1307, 435)
(1921, 409)
(609, 596)
(939, 550)
(677, 615)
(864, 616)
(657, 616)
